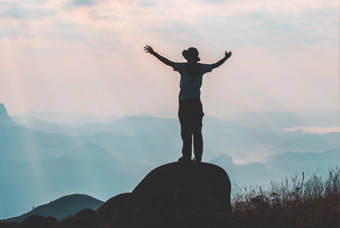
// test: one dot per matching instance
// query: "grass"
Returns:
(305, 201)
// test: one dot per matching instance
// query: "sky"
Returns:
(87, 55)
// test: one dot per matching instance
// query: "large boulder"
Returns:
(107, 213)
(180, 194)
(112, 205)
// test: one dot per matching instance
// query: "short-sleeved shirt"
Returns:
(190, 85)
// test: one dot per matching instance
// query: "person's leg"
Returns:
(186, 128)
(197, 130)
(198, 139)
(186, 134)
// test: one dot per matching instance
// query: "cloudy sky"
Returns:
(87, 55)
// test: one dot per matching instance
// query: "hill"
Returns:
(62, 207)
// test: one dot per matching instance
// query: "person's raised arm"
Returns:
(219, 63)
(148, 49)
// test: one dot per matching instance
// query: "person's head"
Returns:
(191, 55)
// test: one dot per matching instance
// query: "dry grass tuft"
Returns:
(310, 201)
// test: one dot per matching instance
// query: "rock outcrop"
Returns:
(179, 195)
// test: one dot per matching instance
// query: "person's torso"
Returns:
(191, 78)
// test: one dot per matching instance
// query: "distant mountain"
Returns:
(278, 166)
(148, 139)
(297, 132)
(128, 149)
(4, 118)
(70, 118)
(48, 127)
(62, 207)
(219, 130)
(310, 143)
(219, 135)
(20, 144)
(88, 153)
(35, 166)
(143, 136)
(162, 131)
(133, 146)
(150, 128)
(279, 120)
(91, 167)
(104, 159)
(292, 162)
(255, 173)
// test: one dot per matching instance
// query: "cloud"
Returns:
(271, 25)
(84, 2)
(30, 14)
(305, 27)
(212, 1)
(12, 32)
(148, 3)
(174, 32)
(25, 11)
(301, 38)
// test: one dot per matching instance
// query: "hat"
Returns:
(191, 54)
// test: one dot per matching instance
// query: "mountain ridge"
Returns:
(4, 117)
(61, 207)
(70, 117)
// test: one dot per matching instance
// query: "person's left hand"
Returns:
(228, 54)
(148, 49)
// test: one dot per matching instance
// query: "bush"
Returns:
(309, 201)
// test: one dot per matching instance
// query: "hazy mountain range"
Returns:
(41, 160)
(70, 118)
(279, 120)
(321, 117)
(220, 136)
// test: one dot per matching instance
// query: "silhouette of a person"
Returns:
(190, 111)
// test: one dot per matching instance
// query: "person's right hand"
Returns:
(148, 49)
(228, 54)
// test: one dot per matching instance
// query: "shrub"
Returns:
(308, 201)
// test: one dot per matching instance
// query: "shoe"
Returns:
(184, 159)
(197, 159)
